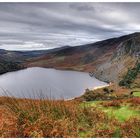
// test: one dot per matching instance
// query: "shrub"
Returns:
(131, 128)
(111, 90)
(106, 130)
(134, 101)
(106, 90)
(49, 118)
(130, 76)
(115, 103)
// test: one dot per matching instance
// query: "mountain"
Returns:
(109, 59)
(13, 60)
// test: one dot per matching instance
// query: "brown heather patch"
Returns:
(49, 118)
(46, 118)
(134, 102)
(114, 103)
(131, 128)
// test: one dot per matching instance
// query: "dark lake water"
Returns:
(42, 82)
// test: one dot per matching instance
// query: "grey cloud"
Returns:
(57, 24)
(82, 7)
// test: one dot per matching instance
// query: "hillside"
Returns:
(109, 112)
(13, 60)
(26, 118)
(8, 66)
(109, 59)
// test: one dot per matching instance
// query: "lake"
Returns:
(39, 82)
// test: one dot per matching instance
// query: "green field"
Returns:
(136, 94)
(122, 113)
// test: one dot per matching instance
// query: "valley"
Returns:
(109, 112)
(109, 59)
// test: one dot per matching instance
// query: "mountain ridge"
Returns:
(108, 59)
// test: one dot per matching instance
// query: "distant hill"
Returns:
(14, 60)
(109, 59)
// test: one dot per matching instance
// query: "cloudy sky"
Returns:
(34, 26)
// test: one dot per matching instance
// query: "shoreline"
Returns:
(99, 87)
(92, 88)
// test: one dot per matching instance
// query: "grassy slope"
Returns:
(45, 118)
(122, 113)
(136, 94)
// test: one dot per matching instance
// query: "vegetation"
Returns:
(88, 58)
(122, 110)
(125, 111)
(137, 93)
(103, 94)
(7, 66)
(130, 76)
(49, 118)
